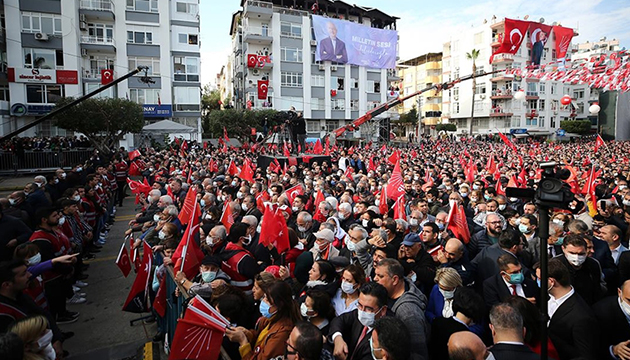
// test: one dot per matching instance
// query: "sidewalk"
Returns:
(14, 183)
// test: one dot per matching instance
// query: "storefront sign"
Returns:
(154, 110)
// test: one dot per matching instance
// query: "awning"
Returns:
(168, 126)
(518, 136)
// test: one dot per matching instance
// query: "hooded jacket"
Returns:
(409, 308)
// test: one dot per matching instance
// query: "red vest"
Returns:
(121, 171)
(9, 311)
(36, 292)
(90, 211)
(230, 267)
(58, 246)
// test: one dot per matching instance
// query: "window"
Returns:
(187, 98)
(43, 58)
(516, 121)
(373, 104)
(529, 121)
(354, 83)
(143, 5)
(140, 37)
(144, 96)
(290, 30)
(541, 104)
(190, 39)
(291, 79)
(354, 105)
(99, 33)
(186, 68)
(4, 93)
(331, 125)
(105, 94)
(313, 126)
(373, 86)
(532, 89)
(98, 63)
(578, 94)
(44, 94)
(40, 22)
(580, 109)
(291, 54)
(317, 80)
(554, 88)
(456, 107)
(152, 63)
(541, 121)
(408, 77)
(338, 104)
(183, 7)
(553, 122)
(480, 89)
(336, 83)
(317, 104)
(541, 88)
(456, 93)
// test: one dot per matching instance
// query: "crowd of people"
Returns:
(364, 276)
(53, 143)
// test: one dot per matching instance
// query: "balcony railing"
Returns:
(258, 30)
(92, 73)
(98, 40)
(101, 5)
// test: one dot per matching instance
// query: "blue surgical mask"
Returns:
(523, 228)
(208, 276)
(487, 197)
(517, 278)
(264, 309)
(559, 241)
(440, 225)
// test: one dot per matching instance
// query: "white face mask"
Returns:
(502, 207)
(413, 222)
(366, 318)
(244, 207)
(34, 260)
(351, 245)
(156, 218)
(209, 240)
(365, 222)
(295, 209)
(76, 198)
(625, 307)
(575, 260)
(304, 310)
(447, 294)
(626, 202)
(558, 221)
(12, 201)
(247, 240)
(301, 229)
(162, 235)
(239, 194)
(62, 220)
(348, 288)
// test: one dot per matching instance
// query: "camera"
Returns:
(552, 191)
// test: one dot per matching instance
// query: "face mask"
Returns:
(341, 216)
(413, 277)
(45, 340)
(475, 187)
(502, 207)
(464, 194)
(34, 260)
(239, 194)
(304, 310)
(220, 198)
(523, 228)
(151, 169)
(62, 220)
(487, 197)
(156, 218)
(76, 198)
(626, 202)
(559, 222)
(575, 260)
(377, 202)
(63, 176)
(474, 199)
(209, 240)
(621, 187)
(440, 225)
(12, 201)
(56, 181)
(365, 222)
(625, 307)
(347, 288)
(372, 350)
(351, 245)
(447, 294)
(79, 169)
(430, 201)
(162, 235)
(234, 183)
(366, 318)
(252, 191)
(244, 207)
(301, 229)
(208, 276)
(559, 241)
(264, 309)
(248, 240)
(516, 279)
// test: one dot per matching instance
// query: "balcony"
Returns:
(432, 79)
(502, 77)
(497, 40)
(433, 65)
(430, 121)
(531, 95)
(498, 25)
(501, 94)
(503, 58)
(392, 75)
(499, 112)
(432, 93)
(431, 107)
(261, 10)
(94, 74)
(97, 9)
(98, 43)
(258, 35)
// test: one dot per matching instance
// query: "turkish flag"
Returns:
(188, 206)
(599, 142)
(137, 187)
(507, 142)
(285, 150)
(395, 186)
(134, 170)
(522, 178)
(134, 154)
(188, 255)
(563, 38)
(122, 261)
(471, 171)
(456, 222)
(394, 157)
(515, 31)
(499, 187)
(227, 219)
(252, 60)
(591, 183)
(319, 197)
(399, 208)
(263, 88)
(382, 206)
(159, 303)
(247, 173)
(137, 300)
(232, 169)
(317, 149)
(273, 229)
(107, 76)
(293, 192)
(512, 183)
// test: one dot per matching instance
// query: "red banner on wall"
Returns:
(263, 88)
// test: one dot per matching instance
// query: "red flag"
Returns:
(285, 149)
(399, 208)
(522, 178)
(137, 300)
(319, 198)
(456, 222)
(491, 166)
(599, 142)
(273, 229)
(227, 219)
(395, 186)
(226, 139)
(327, 151)
(471, 172)
(247, 173)
(122, 261)
(507, 142)
(137, 187)
(591, 183)
(317, 149)
(194, 340)
(134, 154)
(232, 169)
(515, 31)
(394, 157)
(293, 192)
(188, 207)
(188, 255)
(499, 187)
(107, 76)
(382, 205)
(159, 303)
(134, 170)
(263, 88)
(513, 183)
(563, 38)
(348, 173)
(252, 60)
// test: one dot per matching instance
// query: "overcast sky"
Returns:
(425, 25)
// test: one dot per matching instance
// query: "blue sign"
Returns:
(561, 132)
(39, 109)
(518, 131)
(154, 110)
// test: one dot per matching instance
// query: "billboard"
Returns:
(346, 42)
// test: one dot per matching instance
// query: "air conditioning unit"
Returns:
(333, 68)
(255, 72)
(41, 36)
(313, 42)
(322, 67)
(82, 22)
(84, 52)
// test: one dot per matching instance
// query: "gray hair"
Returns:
(167, 199)
(345, 207)
(577, 226)
(172, 210)
(155, 194)
(402, 223)
(221, 231)
(553, 227)
(327, 205)
(327, 225)
(250, 220)
(505, 317)
(359, 228)
(40, 179)
(382, 233)
(305, 216)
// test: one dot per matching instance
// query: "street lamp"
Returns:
(594, 109)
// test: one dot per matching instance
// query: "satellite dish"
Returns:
(526, 17)
(542, 20)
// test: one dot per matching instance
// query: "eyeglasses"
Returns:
(292, 351)
(494, 222)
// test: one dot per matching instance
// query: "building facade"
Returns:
(330, 95)
(495, 108)
(60, 48)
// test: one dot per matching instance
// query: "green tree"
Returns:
(102, 121)
(473, 55)
(446, 127)
(581, 127)
(237, 123)
(210, 99)
(410, 117)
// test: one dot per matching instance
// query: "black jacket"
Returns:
(495, 291)
(350, 328)
(573, 328)
(613, 324)
(478, 242)
(586, 280)
(513, 352)
(12, 228)
(441, 331)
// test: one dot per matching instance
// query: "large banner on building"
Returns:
(346, 42)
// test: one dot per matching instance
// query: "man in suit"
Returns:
(465, 345)
(573, 324)
(506, 324)
(585, 272)
(332, 48)
(613, 315)
(351, 332)
(454, 256)
(612, 236)
(510, 281)
(600, 250)
(484, 265)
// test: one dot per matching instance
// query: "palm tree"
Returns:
(473, 55)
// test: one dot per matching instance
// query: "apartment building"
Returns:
(416, 74)
(58, 48)
(329, 94)
(495, 108)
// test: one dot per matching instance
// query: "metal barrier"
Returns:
(30, 161)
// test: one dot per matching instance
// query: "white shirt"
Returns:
(554, 303)
(519, 288)
(617, 252)
(339, 303)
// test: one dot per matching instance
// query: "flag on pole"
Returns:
(188, 255)
(456, 222)
(227, 219)
(137, 300)
(273, 229)
(395, 186)
(599, 142)
(122, 261)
